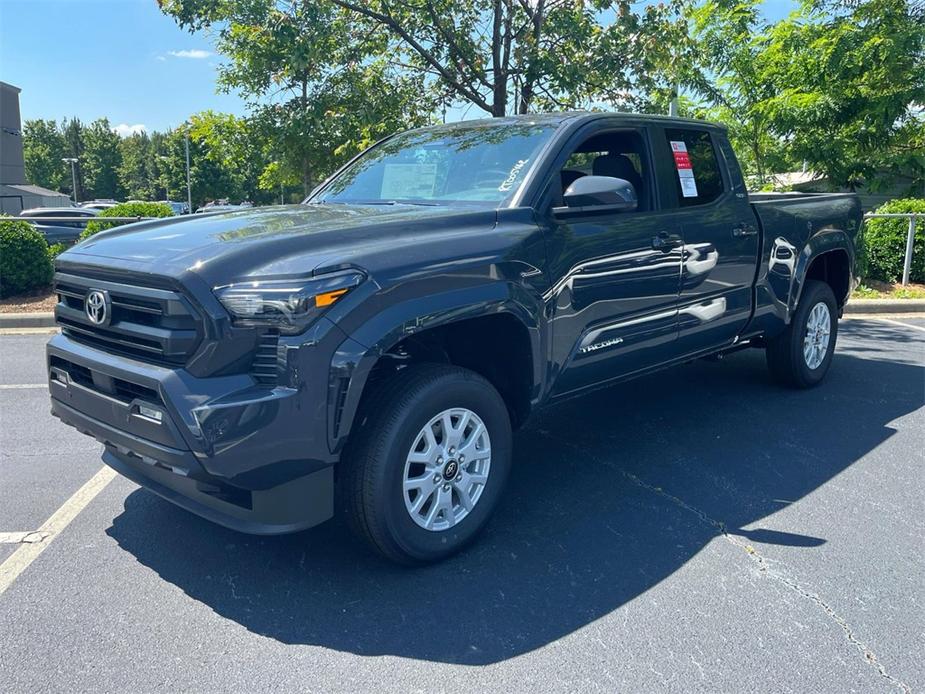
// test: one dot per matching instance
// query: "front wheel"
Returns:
(428, 464)
(800, 356)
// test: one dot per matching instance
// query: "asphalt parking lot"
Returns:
(698, 530)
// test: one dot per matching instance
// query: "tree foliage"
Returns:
(318, 87)
(100, 161)
(125, 209)
(885, 243)
(837, 86)
(848, 88)
(515, 56)
(25, 260)
(44, 149)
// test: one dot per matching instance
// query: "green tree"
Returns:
(327, 77)
(517, 56)
(73, 131)
(44, 148)
(101, 160)
(730, 41)
(210, 178)
(137, 171)
(309, 138)
(848, 84)
(296, 62)
(236, 147)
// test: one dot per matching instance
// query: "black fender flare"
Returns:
(356, 356)
(826, 241)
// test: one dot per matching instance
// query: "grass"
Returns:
(874, 289)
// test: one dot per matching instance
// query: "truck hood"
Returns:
(273, 241)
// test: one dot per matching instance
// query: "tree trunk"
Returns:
(499, 78)
(526, 96)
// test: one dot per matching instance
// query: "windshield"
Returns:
(478, 164)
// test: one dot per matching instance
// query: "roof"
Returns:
(28, 189)
(55, 211)
(560, 117)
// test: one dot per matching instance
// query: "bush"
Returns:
(885, 242)
(25, 262)
(126, 209)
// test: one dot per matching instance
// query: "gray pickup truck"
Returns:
(370, 350)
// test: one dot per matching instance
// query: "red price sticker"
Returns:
(682, 160)
(682, 163)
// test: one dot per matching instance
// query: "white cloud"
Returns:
(194, 53)
(161, 58)
(126, 130)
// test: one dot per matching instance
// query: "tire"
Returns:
(787, 361)
(377, 462)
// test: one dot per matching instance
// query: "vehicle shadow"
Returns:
(611, 494)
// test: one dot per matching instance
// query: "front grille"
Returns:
(265, 364)
(147, 323)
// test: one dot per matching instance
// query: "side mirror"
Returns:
(598, 194)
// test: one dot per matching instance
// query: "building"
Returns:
(16, 194)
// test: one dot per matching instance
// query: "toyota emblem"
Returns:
(96, 306)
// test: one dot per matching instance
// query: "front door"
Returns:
(614, 275)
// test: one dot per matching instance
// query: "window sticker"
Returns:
(404, 181)
(511, 179)
(682, 163)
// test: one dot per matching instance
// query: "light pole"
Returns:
(189, 188)
(72, 161)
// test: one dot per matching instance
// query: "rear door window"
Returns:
(697, 174)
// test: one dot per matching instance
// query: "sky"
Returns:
(125, 60)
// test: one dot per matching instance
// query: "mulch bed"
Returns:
(35, 301)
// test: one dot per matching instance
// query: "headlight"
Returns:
(288, 305)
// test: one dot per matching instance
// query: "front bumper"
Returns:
(252, 458)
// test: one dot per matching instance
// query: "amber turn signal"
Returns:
(328, 298)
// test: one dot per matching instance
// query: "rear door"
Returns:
(720, 233)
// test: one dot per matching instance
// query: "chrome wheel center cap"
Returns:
(450, 470)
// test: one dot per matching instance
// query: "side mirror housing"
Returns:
(590, 194)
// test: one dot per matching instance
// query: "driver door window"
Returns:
(615, 273)
(618, 155)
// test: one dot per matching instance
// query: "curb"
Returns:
(865, 306)
(885, 306)
(27, 320)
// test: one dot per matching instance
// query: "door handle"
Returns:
(744, 230)
(665, 242)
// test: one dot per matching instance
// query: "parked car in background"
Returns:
(60, 232)
(223, 205)
(177, 207)
(99, 205)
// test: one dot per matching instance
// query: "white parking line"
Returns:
(19, 560)
(21, 386)
(905, 325)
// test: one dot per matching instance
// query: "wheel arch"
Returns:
(493, 330)
(828, 257)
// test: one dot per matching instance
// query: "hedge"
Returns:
(25, 260)
(885, 242)
(126, 209)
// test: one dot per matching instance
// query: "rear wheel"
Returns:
(428, 463)
(800, 356)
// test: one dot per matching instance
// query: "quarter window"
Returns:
(697, 175)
